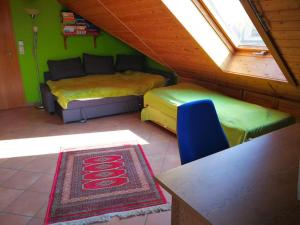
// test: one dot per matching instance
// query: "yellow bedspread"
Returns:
(240, 120)
(103, 86)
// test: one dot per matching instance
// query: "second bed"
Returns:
(240, 120)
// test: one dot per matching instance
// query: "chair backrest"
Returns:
(199, 131)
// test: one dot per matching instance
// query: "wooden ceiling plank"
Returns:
(276, 5)
(134, 34)
(283, 15)
(269, 43)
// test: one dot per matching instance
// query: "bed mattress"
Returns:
(240, 120)
(103, 86)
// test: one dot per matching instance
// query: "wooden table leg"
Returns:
(175, 211)
(182, 214)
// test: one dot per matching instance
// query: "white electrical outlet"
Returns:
(21, 47)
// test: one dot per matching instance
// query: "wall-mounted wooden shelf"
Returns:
(75, 26)
(94, 35)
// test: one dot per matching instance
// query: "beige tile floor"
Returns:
(30, 140)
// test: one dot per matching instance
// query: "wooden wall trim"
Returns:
(248, 6)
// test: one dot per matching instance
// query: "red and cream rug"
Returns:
(96, 184)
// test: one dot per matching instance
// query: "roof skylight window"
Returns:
(234, 20)
(223, 29)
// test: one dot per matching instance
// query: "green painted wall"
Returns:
(50, 44)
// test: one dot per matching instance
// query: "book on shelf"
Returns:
(79, 20)
(69, 29)
(67, 14)
(81, 32)
(68, 18)
(81, 27)
(76, 25)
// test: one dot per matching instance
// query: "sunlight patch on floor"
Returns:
(53, 144)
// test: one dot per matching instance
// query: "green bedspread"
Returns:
(240, 120)
(103, 86)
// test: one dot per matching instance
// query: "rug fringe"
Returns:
(121, 215)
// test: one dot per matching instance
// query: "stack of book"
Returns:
(68, 21)
(68, 18)
(80, 30)
(76, 25)
(80, 25)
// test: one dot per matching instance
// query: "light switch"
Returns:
(21, 47)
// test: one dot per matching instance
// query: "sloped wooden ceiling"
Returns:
(151, 28)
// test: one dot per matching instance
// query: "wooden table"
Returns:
(252, 183)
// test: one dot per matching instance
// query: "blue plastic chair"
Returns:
(199, 131)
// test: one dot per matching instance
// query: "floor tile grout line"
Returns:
(27, 171)
(16, 214)
(12, 202)
(145, 222)
(34, 157)
(164, 158)
(26, 189)
(46, 204)
(21, 169)
(16, 200)
(2, 181)
(31, 171)
(29, 221)
(17, 189)
(20, 189)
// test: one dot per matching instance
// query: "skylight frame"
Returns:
(246, 62)
(224, 34)
(261, 53)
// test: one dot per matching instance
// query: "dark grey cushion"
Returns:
(130, 62)
(66, 68)
(94, 64)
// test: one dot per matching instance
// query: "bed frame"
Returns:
(84, 110)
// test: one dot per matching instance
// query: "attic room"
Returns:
(149, 112)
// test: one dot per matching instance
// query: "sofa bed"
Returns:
(240, 120)
(97, 87)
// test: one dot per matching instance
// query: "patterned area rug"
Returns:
(96, 184)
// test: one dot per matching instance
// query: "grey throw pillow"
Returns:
(130, 62)
(94, 64)
(66, 68)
